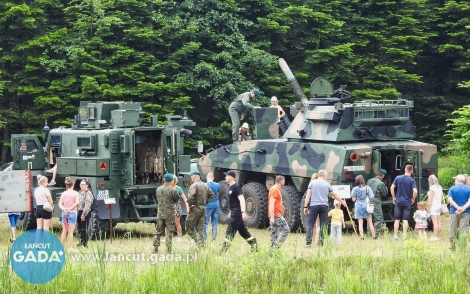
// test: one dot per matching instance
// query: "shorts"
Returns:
(418, 226)
(435, 210)
(41, 213)
(71, 218)
(13, 219)
(402, 211)
(178, 211)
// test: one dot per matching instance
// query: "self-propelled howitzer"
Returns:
(345, 139)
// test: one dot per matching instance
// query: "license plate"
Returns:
(102, 194)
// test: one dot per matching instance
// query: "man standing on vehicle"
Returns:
(316, 204)
(459, 199)
(198, 196)
(380, 191)
(237, 110)
(405, 196)
(167, 197)
(279, 227)
(212, 208)
(236, 214)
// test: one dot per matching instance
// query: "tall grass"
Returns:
(370, 266)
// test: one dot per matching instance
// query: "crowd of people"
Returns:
(202, 207)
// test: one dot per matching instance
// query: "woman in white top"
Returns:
(435, 202)
(280, 111)
(42, 194)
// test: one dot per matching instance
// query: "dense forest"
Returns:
(198, 55)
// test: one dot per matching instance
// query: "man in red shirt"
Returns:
(279, 227)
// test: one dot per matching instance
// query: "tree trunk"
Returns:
(5, 137)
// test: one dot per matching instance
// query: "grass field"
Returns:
(369, 266)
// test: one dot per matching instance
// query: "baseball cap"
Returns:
(460, 178)
(336, 202)
(231, 173)
(168, 177)
(245, 125)
(256, 92)
(274, 98)
(195, 173)
(383, 171)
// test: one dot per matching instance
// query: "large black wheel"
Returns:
(27, 221)
(411, 221)
(223, 202)
(291, 206)
(256, 200)
(97, 228)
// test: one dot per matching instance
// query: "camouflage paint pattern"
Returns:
(345, 139)
(198, 196)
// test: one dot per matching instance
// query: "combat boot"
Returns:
(253, 244)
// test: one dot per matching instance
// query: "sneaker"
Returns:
(178, 239)
(163, 241)
(308, 246)
(404, 237)
(395, 237)
(52, 183)
(12, 240)
(434, 239)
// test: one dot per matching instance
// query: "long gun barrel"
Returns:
(293, 82)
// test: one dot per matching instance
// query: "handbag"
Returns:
(47, 206)
(370, 207)
(444, 208)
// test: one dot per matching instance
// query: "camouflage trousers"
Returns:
(160, 226)
(195, 224)
(377, 216)
(235, 116)
(279, 231)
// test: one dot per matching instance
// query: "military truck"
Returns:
(345, 139)
(107, 143)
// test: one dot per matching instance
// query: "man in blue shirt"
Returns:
(212, 208)
(403, 199)
(459, 199)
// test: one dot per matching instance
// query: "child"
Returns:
(337, 219)
(13, 216)
(244, 132)
(280, 111)
(421, 219)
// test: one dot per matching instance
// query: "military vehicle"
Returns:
(108, 144)
(345, 139)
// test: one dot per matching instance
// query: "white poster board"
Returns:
(344, 191)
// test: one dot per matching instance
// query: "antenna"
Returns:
(390, 80)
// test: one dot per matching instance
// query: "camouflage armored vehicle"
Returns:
(345, 139)
(107, 144)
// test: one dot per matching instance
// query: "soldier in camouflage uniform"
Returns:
(167, 197)
(237, 110)
(198, 196)
(380, 190)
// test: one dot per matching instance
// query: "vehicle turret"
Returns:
(326, 116)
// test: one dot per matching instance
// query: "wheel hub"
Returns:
(250, 207)
(285, 210)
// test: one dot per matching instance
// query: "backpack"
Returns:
(93, 206)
